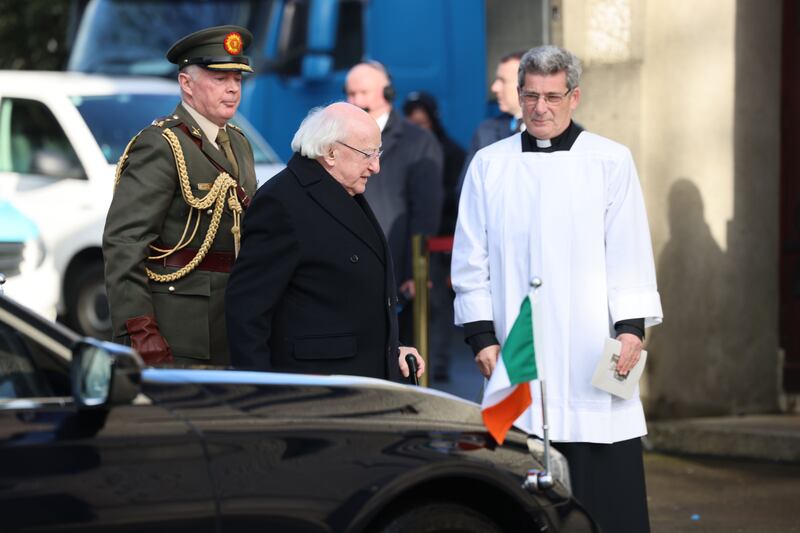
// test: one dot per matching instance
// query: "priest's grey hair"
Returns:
(547, 60)
(318, 132)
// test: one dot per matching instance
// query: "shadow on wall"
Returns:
(687, 377)
(717, 350)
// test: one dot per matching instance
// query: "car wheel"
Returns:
(440, 517)
(87, 302)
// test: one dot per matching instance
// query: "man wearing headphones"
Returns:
(407, 194)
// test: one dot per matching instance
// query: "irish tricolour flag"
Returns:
(508, 393)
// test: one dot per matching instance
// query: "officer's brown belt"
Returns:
(212, 262)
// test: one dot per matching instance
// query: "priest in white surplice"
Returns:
(565, 205)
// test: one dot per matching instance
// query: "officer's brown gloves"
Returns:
(147, 340)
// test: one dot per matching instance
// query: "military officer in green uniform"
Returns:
(172, 231)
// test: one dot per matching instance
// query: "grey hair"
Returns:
(317, 133)
(192, 71)
(547, 60)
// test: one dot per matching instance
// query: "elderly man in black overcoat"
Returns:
(313, 288)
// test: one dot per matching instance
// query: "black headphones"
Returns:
(388, 91)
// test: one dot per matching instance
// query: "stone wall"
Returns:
(693, 89)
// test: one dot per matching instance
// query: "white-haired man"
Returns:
(313, 288)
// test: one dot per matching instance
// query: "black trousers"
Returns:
(608, 480)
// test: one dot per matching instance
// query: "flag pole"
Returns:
(543, 478)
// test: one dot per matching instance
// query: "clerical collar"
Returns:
(562, 142)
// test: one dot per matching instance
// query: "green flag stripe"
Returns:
(519, 355)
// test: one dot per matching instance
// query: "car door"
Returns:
(43, 173)
(130, 468)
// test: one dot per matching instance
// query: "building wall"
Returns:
(692, 88)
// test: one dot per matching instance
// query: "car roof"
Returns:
(75, 83)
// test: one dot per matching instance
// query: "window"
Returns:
(29, 370)
(33, 142)
(115, 119)
(349, 35)
(292, 44)
(130, 37)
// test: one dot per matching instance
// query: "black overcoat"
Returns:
(313, 288)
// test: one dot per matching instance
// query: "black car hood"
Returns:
(301, 396)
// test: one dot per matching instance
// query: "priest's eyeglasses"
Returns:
(531, 98)
(367, 155)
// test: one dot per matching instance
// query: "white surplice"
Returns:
(576, 219)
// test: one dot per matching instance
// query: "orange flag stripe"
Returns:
(501, 416)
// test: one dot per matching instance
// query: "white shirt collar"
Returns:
(209, 129)
(382, 120)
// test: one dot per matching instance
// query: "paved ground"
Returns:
(711, 495)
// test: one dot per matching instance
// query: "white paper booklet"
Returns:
(608, 379)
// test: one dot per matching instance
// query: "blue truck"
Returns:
(302, 49)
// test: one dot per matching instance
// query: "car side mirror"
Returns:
(104, 374)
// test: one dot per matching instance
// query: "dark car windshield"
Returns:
(130, 37)
(115, 119)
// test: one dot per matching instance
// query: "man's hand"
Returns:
(630, 352)
(408, 289)
(147, 340)
(487, 359)
(401, 360)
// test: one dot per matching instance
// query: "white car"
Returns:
(61, 135)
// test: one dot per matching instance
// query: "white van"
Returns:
(61, 135)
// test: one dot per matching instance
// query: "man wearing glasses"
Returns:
(564, 205)
(313, 288)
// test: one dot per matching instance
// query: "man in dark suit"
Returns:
(313, 288)
(408, 193)
(509, 122)
(172, 229)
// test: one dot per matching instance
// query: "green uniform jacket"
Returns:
(148, 208)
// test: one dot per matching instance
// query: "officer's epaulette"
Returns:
(168, 121)
(235, 127)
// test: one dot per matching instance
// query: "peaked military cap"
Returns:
(217, 48)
